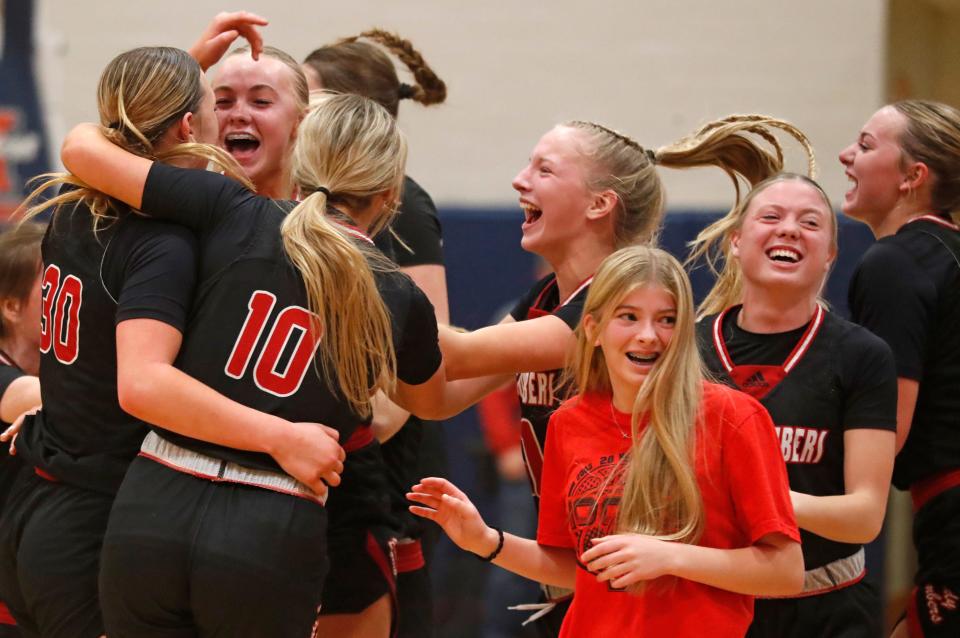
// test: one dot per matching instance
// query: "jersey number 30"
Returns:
(60, 315)
(290, 342)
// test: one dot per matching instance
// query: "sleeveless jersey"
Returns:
(833, 376)
(249, 334)
(542, 392)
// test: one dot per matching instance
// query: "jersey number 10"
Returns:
(292, 324)
(60, 315)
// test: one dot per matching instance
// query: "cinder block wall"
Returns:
(655, 69)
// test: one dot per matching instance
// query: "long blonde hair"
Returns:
(141, 94)
(735, 144)
(349, 149)
(661, 496)
(714, 244)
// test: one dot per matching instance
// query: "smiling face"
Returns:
(553, 192)
(633, 339)
(257, 109)
(786, 238)
(874, 166)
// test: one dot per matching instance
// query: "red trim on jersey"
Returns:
(792, 359)
(922, 492)
(410, 556)
(553, 282)
(936, 219)
(6, 618)
(356, 232)
(45, 475)
(361, 437)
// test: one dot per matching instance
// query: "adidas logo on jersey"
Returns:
(755, 380)
(801, 445)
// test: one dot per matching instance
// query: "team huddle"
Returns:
(218, 354)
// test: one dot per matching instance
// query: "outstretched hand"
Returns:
(222, 31)
(444, 504)
(627, 559)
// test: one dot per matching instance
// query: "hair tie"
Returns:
(321, 189)
(651, 155)
(406, 91)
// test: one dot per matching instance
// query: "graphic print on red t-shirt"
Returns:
(594, 499)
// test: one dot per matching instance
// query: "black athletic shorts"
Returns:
(361, 537)
(851, 612)
(414, 593)
(933, 609)
(50, 540)
(186, 556)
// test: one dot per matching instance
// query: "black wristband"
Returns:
(495, 552)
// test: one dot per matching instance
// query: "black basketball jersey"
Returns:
(417, 227)
(542, 392)
(906, 290)
(816, 382)
(249, 334)
(132, 268)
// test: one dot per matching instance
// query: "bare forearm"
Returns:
(847, 518)
(527, 558)
(160, 394)
(21, 395)
(758, 570)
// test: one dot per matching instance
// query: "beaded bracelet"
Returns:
(495, 552)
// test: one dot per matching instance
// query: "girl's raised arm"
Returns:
(103, 165)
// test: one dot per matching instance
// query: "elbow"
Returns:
(71, 152)
(791, 570)
(134, 393)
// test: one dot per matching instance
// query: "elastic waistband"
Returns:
(158, 449)
(922, 492)
(841, 573)
(409, 553)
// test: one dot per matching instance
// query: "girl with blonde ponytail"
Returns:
(364, 65)
(828, 384)
(109, 277)
(295, 317)
(587, 191)
(664, 502)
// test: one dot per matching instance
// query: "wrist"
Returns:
(492, 544)
(676, 555)
(273, 435)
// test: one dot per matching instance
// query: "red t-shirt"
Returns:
(743, 482)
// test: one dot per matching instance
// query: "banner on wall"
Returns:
(23, 139)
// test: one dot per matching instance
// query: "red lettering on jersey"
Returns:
(48, 292)
(66, 339)
(60, 315)
(292, 323)
(801, 444)
(258, 311)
